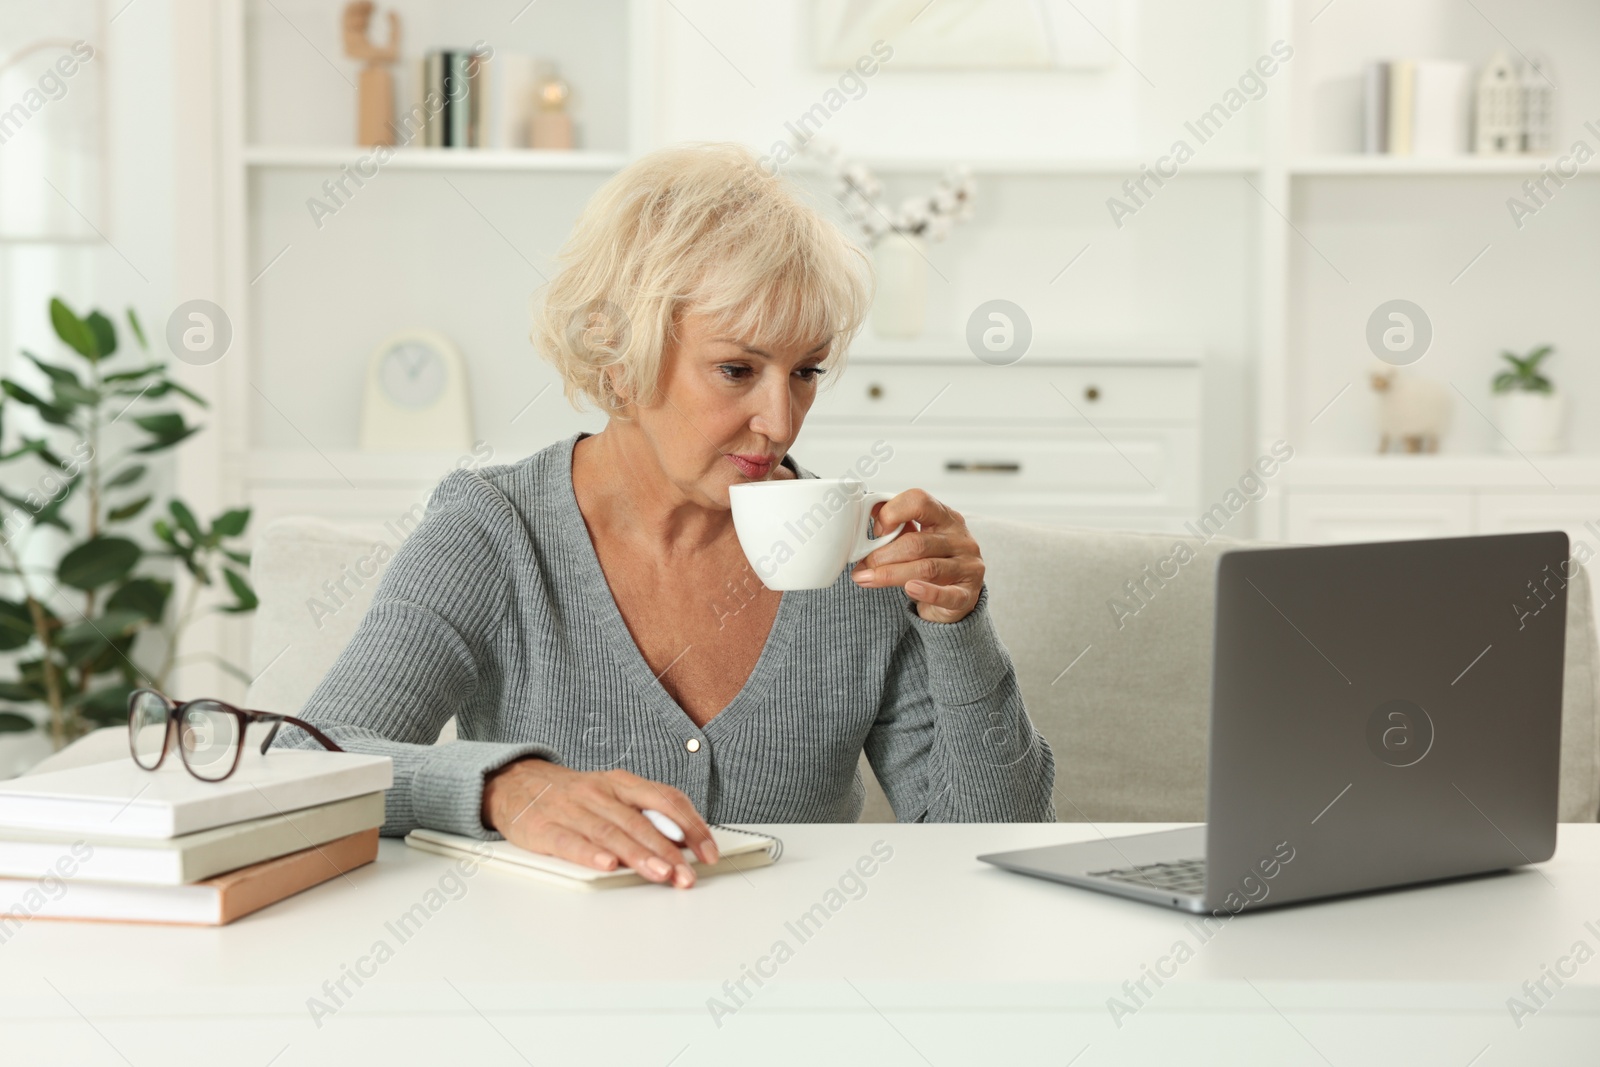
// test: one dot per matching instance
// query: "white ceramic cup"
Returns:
(799, 533)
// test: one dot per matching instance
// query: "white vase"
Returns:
(901, 303)
(1529, 422)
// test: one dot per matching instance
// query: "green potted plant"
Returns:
(76, 590)
(1528, 411)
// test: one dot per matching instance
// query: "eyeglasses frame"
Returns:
(246, 716)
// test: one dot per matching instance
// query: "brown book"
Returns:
(215, 901)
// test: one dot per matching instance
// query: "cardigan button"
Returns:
(693, 744)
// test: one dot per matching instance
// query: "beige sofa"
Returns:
(1125, 709)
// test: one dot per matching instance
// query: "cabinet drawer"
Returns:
(1063, 395)
(1145, 467)
(1330, 518)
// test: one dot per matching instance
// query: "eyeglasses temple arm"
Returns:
(322, 738)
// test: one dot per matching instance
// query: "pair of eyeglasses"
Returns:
(209, 733)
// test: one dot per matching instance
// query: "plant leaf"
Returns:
(147, 596)
(241, 590)
(138, 330)
(12, 723)
(185, 517)
(21, 692)
(55, 373)
(126, 476)
(16, 625)
(168, 429)
(133, 375)
(73, 330)
(105, 334)
(128, 510)
(98, 561)
(231, 523)
(49, 412)
(237, 557)
(111, 625)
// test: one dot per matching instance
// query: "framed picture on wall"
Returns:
(968, 34)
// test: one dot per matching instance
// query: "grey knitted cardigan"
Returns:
(495, 610)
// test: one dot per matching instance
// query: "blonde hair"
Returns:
(699, 227)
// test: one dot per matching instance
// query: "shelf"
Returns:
(1406, 473)
(438, 158)
(1121, 166)
(1417, 166)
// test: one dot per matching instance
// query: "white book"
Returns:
(191, 857)
(215, 901)
(509, 82)
(121, 799)
(1441, 107)
(737, 850)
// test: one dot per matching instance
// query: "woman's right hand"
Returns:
(595, 818)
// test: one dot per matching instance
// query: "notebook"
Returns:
(121, 799)
(216, 901)
(738, 850)
(190, 857)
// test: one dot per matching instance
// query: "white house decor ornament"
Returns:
(1498, 129)
(416, 396)
(1538, 108)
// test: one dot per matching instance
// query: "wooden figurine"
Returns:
(375, 90)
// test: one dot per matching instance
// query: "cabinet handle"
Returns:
(962, 466)
(1092, 393)
(875, 391)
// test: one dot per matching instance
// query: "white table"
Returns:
(939, 959)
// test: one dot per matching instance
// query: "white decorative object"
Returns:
(968, 34)
(900, 300)
(416, 396)
(899, 307)
(1413, 412)
(1529, 422)
(1538, 108)
(1498, 130)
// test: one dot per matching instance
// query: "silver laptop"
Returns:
(1381, 715)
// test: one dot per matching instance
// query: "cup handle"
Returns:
(865, 543)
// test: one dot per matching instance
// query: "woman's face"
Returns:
(728, 408)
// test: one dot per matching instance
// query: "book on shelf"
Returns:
(484, 101)
(188, 857)
(214, 901)
(1417, 107)
(738, 850)
(121, 799)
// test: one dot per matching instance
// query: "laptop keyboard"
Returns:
(1181, 876)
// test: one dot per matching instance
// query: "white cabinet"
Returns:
(1058, 441)
(1326, 518)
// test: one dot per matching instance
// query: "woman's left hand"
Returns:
(936, 561)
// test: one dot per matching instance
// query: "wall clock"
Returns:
(416, 396)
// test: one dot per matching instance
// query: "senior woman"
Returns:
(570, 609)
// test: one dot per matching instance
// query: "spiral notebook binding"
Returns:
(776, 851)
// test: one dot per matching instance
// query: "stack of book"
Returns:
(1417, 107)
(466, 98)
(112, 841)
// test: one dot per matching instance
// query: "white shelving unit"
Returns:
(1322, 238)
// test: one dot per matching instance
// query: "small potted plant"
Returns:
(1528, 411)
